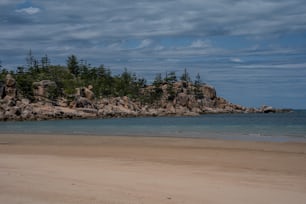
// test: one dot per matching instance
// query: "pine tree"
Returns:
(185, 76)
(73, 65)
(197, 91)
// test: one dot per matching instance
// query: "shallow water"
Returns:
(280, 127)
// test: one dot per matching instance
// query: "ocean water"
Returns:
(279, 127)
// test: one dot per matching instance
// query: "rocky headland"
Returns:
(177, 99)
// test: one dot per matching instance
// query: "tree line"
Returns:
(77, 73)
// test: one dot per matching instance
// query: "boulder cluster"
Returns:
(180, 101)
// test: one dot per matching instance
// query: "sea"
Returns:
(272, 127)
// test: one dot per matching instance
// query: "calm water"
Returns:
(256, 127)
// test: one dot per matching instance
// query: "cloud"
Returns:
(235, 59)
(145, 43)
(30, 10)
(200, 44)
(215, 38)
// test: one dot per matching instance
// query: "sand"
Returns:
(88, 169)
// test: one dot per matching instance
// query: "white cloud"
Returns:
(199, 44)
(236, 60)
(145, 43)
(30, 10)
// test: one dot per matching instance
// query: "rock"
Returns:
(107, 111)
(25, 101)
(63, 102)
(209, 91)
(42, 89)
(1, 115)
(89, 94)
(270, 109)
(27, 115)
(82, 102)
(190, 113)
(12, 113)
(267, 109)
(10, 81)
(2, 89)
(90, 111)
(151, 112)
(10, 91)
(10, 102)
(85, 92)
(170, 109)
(192, 103)
(182, 99)
(183, 102)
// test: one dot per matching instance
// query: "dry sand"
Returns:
(88, 169)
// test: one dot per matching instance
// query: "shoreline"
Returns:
(87, 114)
(113, 169)
(244, 138)
(137, 140)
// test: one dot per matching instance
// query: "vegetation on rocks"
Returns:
(41, 91)
(80, 74)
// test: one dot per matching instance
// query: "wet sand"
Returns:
(88, 169)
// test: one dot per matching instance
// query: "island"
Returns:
(79, 91)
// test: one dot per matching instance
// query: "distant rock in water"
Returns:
(178, 98)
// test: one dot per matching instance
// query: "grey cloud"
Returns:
(122, 33)
(150, 18)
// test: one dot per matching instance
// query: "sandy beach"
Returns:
(89, 169)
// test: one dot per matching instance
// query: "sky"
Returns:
(253, 51)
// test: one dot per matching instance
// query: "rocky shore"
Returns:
(83, 104)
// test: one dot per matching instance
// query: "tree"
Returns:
(30, 60)
(185, 76)
(157, 91)
(53, 92)
(170, 77)
(45, 61)
(24, 83)
(197, 91)
(198, 80)
(3, 73)
(158, 80)
(73, 65)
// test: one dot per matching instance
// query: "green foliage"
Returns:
(185, 76)
(30, 60)
(127, 84)
(45, 61)
(3, 73)
(73, 65)
(170, 77)
(157, 91)
(158, 80)
(53, 92)
(169, 80)
(24, 84)
(197, 91)
(75, 75)
(171, 92)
